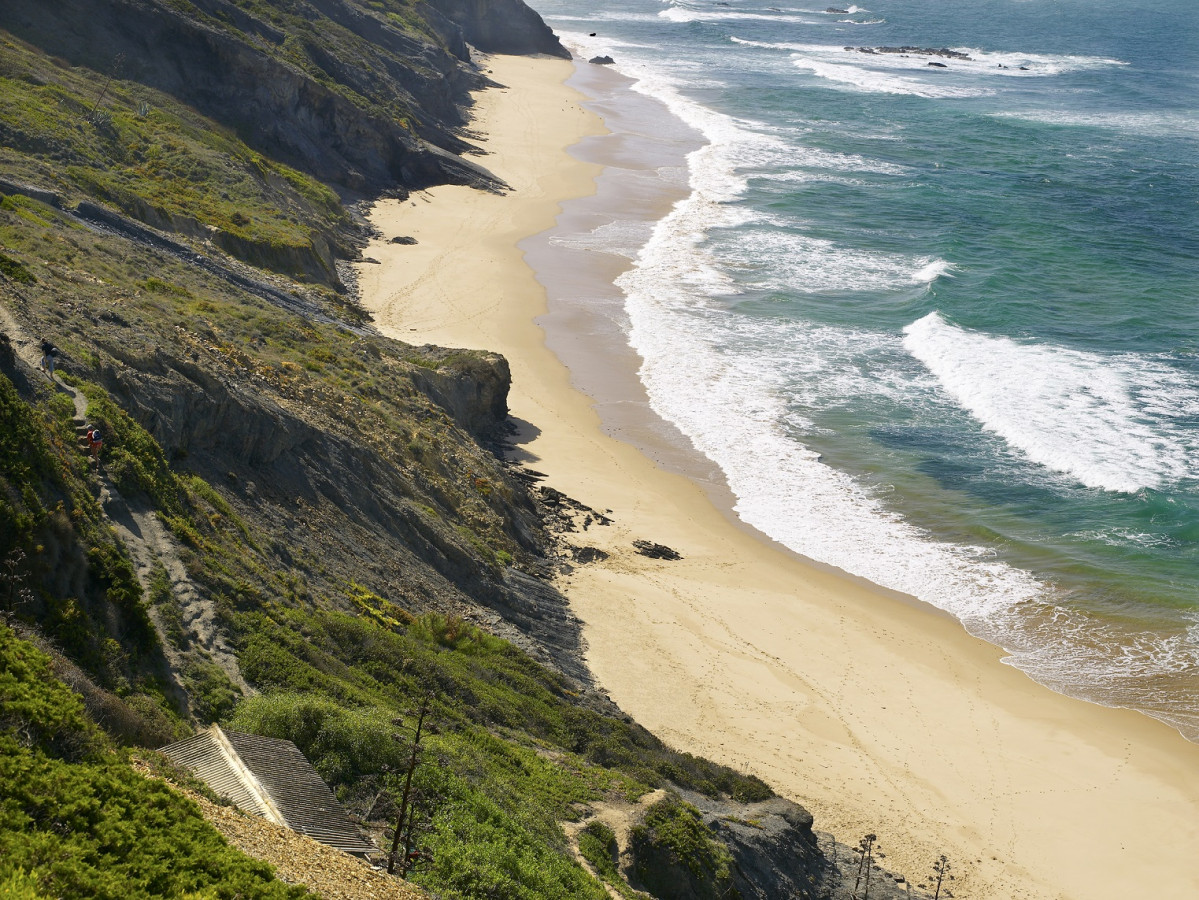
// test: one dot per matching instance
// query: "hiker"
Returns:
(94, 442)
(49, 357)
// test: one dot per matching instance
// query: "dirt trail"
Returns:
(620, 816)
(148, 541)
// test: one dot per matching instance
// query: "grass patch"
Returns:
(167, 167)
(14, 270)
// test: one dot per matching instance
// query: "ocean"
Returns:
(933, 315)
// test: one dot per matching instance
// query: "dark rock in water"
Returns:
(913, 51)
(591, 35)
(837, 12)
(602, 60)
(403, 239)
(656, 551)
(939, 65)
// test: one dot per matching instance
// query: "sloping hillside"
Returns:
(294, 525)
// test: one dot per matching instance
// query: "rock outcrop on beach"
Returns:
(294, 522)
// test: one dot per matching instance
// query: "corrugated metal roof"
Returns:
(270, 778)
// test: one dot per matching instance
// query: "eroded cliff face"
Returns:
(376, 481)
(415, 515)
(366, 98)
(502, 26)
(330, 88)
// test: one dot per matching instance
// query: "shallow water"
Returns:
(937, 325)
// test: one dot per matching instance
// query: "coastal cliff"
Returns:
(295, 524)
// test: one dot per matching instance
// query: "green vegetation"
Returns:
(168, 166)
(674, 843)
(514, 755)
(15, 270)
(248, 431)
(76, 821)
(597, 845)
(50, 524)
(68, 572)
(311, 49)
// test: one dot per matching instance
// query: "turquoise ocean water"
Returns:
(938, 325)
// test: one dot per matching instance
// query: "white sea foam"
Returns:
(679, 12)
(814, 158)
(979, 61)
(932, 270)
(895, 73)
(733, 382)
(728, 401)
(1104, 421)
(1156, 123)
(1034, 64)
(621, 237)
(930, 84)
(797, 263)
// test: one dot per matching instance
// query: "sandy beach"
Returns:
(876, 712)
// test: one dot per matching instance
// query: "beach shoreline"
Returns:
(877, 713)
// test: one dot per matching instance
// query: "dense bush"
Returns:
(676, 855)
(76, 821)
(36, 709)
(597, 845)
(343, 744)
(98, 829)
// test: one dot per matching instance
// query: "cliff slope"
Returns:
(295, 525)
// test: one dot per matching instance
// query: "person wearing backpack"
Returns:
(49, 358)
(93, 442)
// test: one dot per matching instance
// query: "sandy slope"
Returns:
(877, 713)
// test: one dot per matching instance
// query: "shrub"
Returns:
(15, 270)
(342, 744)
(94, 828)
(97, 829)
(35, 707)
(677, 855)
(597, 845)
